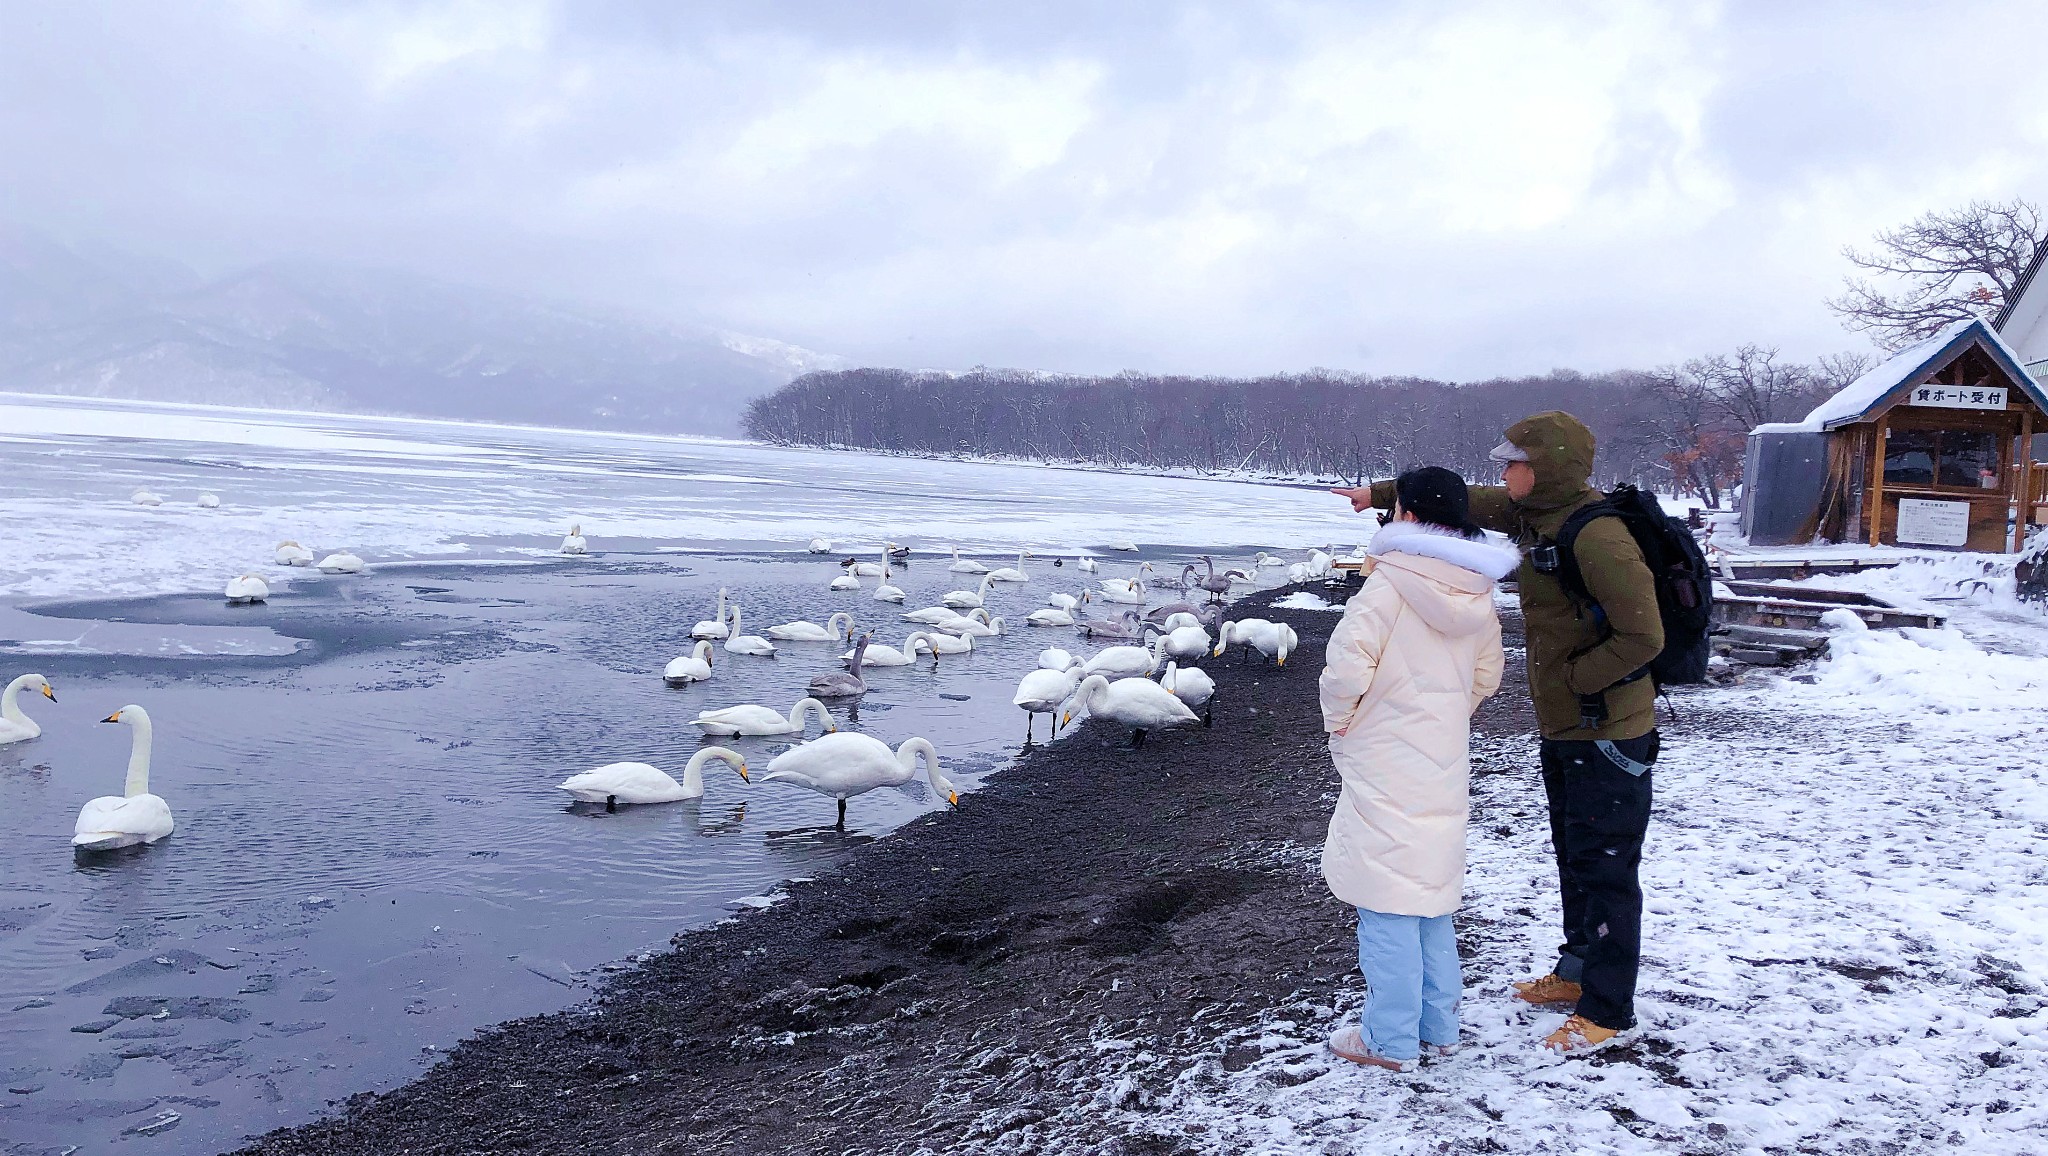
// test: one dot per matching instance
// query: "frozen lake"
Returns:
(371, 860)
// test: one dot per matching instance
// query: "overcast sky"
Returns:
(1446, 189)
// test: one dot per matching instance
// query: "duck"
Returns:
(1275, 640)
(880, 655)
(713, 628)
(342, 563)
(977, 623)
(574, 543)
(846, 764)
(246, 589)
(896, 550)
(964, 599)
(1044, 691)
(887, 593)
(15, 725)
(1123, 661)
(290, 553)
(209, 501)
(806, 631)
(145, 497)
(1049, 616)
(965, 565)
(1065, 602)
(638, 784)
(752, 644)
(1013, 573)
(754, 721)
(821, 546)
(134, 816)
(1138, 703)
(1192, 685)
(843, 683)
(692, 667)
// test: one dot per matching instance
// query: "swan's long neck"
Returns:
(721, 604)
(10, 704)
(796, 713)
(735, 621)
(907, 756)
(860, 650)
(832, 624)
(703, 652)
(138, 759)
(693, 774)
(1158, 647)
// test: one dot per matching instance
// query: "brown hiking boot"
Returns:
(1578, 1034)
(1546, 991)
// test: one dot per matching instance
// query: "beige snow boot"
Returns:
(1547, 991)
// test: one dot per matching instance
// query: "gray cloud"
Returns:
(1404, 188)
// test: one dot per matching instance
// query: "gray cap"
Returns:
(1508, 452)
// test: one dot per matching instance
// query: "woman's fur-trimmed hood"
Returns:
(1443, 576)
(1485, 558)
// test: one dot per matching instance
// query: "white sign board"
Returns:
(1960, 396)
(1925, 523)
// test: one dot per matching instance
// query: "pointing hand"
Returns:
(1361, 498)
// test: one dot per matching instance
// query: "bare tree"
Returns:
(1754, 387)
(1939, 269)
(1835, 370)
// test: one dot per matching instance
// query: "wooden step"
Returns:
(1809, 641)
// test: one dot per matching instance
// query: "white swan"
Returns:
(1044, 691)
(932, 615)
(135, 815)
(290, 553)
(942, 643)
(1122, 661)
(146, 498)
(713, 628)
(1275, 640)
(963, 599)
(1050, 617)
(1122, 591)
(1063, 602)
(821, 546)
(886, 592)
(209, 501)
(1185, 642)
(692, 667)
(752, 720)
(574, 543)
(843, 765)
(246, 589)
(965, 565)
(1191, 685)
(871, 569)
(807, 631)
(1013, 573)
(846, 582)
(342, 563)
(752, 644)
(638, 783)
(1053, 658)
(1126, 545)
(880, 655)
(1087, 564)
(977, 623)
(1138, 703)
(15, 725)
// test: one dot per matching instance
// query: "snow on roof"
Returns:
(1864, 394)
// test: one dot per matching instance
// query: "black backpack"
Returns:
(1685, 585)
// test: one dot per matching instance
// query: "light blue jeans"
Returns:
(1412, 982)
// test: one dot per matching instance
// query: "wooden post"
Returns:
(2025, 503)
(1876, 490)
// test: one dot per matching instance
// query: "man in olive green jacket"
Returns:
(1588, 674)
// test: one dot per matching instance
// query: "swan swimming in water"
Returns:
(932, 615)
(692, 667)
(846, 764)
(881, 655)
(1050, 617)
(807, 631)
(342, 563)
(943, 643)
(246, 589)
(965, 565)
(1065, 602)
(290, 553)
(752, 644)
(15, 725)
(1138, 703)
(964, 599)
(886, 592)
(713, 628)
(574, 543)
(976, 623)
(1087, 563)
(134, 816)
(640, 783)
(1013, 573)
(843, 683)
(754, 721)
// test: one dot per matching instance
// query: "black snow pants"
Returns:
(1599, 812)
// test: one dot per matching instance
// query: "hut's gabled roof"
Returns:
(1909, 366)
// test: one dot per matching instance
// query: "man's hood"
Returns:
(1445, 578)
(1560, 450)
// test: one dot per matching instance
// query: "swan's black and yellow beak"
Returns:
(49, 693)
(953, 798)
(833, 729)
(743, 774)
(115, 717)
(1067, 719)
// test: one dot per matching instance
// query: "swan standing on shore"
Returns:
(1192, 686)
(574, 543)
(639, 783)
(965, 565)
(1123, 661)
(1044, 691)
(1138, 703)
(1185, 643)
(692, 667)
(290, 553)
(843, 683)
(246, 589)
(963, 599)
(806, 631)
(1013, 573)
(714, 628)
(754, 721)
(134, 816)
(342, 563)
(843, 765)
(1275, 640)
(880, 655)
(752, 644)
(15, 725)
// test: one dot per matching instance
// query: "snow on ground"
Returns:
(1303, 600)
(1846, 930)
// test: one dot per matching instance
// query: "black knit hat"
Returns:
(1437, 496)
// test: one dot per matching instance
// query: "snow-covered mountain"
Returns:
(313, 335)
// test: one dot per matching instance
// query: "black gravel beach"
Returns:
(964, 984)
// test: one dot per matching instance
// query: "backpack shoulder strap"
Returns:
(1568, 573)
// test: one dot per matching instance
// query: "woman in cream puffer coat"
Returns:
(1417, 651)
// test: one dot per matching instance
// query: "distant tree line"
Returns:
(1679, 428)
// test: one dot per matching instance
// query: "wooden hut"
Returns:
(1934, 448)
